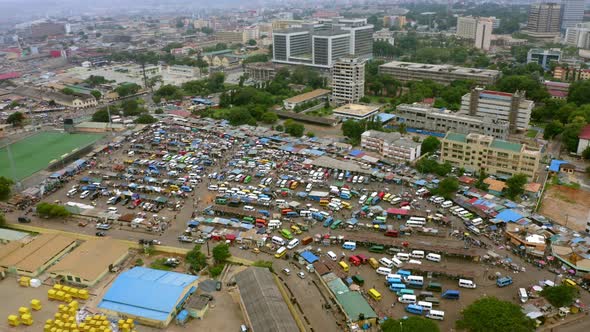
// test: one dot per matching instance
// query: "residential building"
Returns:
(578, 35)
(318, 94)
(479, 29)
(355, 111)
(261, 71)
(503, 159)
(320, 45)
(557, 90)
(47, 29)
(398, 21)
(444, 74)
(384, 35)
(584, 141)
(230, 36)
(572, 13)
(184, 71)
(391, 145)
(286, 24)
(571, 74)
(348, 80)
(543, 57)
(424, 117)
(544, 20)
(250, 32)
(510, 107)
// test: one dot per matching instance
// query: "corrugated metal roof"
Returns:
(146, 292)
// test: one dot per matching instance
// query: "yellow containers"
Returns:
(66, 289)
(26, 319)
(83, 294)
(52, 294)
(24, 281)
(35, 304)
(125, 328)
(13, 320)
(74, 292)
(59, 295)
(57, 287)
(47, 328)
(23, 310)
(74, 304)
(130, 322)
(68, 298)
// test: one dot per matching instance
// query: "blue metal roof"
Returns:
(145, 292)
(508, 216)
(309, 257)
(555, 164)
(385, 117)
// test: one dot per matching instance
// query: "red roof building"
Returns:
(10, 75)
(584, 141)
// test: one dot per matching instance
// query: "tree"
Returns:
(353, 129)
(578, 93)
(153, 81)
(251, 42)
(255, 58)
(48, 210)
(2, 220)
(16, 119)
(310, 134)
(159, 111)
(215, 82)
(571, 133)
(586, 153)
(269, 117)
(261, 263)
(127, 89)
(196, 259)
(5, 188)
(67, 91)
(221, 253)
(402, 129)
(96, 94)
(101, 116)
(293, 128)
(515, 185)
(411, 324)
(447, 187)
(560, 296)
(552, 129)
(480, 184)
(430, 144)
(146, 119)
(491, 314)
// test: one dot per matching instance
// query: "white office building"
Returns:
(391, 145)
(578, 36)
(348, 80)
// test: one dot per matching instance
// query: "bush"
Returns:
(221, 253)
(139, 262)
(560, 296)
(216, 270)
(48, 210)
(266, 264)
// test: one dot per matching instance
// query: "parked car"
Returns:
(24, 219)
(301, 275)
(101, 233)
(218, 285)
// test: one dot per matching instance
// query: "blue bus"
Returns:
(396, 287)
(414, 309)
(451, 294)
(404, 273)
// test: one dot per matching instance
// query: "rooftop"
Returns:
(91, 258)
(441, 68)
(35, 254)
(585, 132)
(148, 293)
(354, 304)
(505, 145)
(356, 109)
(307, 96)
(263, 302)
(456, 137)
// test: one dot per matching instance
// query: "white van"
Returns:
(332, 255)
(72, 192)
(425, 305)
(522, 294)
(396, 200)
(308, 187)
(383, 271)
(274, 224)
(249, 208)
(213, 187)
(278, 241)
(406, 298)
(417, 254)
(446, 204)
(466, 283)
(433, 257)
(396, 262)
(386, 262)
(293, 243)
(402, 256)
(436, 314)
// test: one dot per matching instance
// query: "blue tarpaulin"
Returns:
(556, 164)
(309, 257)
(508, 216)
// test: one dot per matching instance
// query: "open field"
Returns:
(564, 204)
(35, 152)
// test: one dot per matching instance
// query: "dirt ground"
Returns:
(567, 206)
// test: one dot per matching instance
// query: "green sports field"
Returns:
(34, 153)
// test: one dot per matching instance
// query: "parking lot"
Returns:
(203, 183)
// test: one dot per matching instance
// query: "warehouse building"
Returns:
(318, 94)
(150, 297)
(34, 257)
(444, 74)
(89, 262)
(261, 301)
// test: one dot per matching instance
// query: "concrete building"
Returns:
(391, 145)
(184, 71)
(230, 36)
(510, 107)
(584, 141)
(398, 21)
(444, 74)
(262, 304)
(479, 29)
(543, 57)
(572, 13)
(33, 258)
(47, 29)
(348, 80)
(88, 263)
(475, 152)
(384, 35)
(250, 32)
(318, 94)
(355, 111)
(571, 74)
(544, 20)
(261, 71)
(149, 297)
(424, 117)
(557, 90)
(72, 101)
(320, 45)
(578, 35)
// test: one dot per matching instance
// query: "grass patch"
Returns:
(158, 264)
(321, 112)
(532, 133)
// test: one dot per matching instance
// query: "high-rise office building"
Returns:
(321, 44)
(477, 28)
(544, 20)
(572, 13)
(348, 80)
(578, 36)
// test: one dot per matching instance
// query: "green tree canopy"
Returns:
(146, 119)
(578, 93)
(49, 210)
(447, 187)
(411, 324)
(430, 144)
(491, 314)
(515, 185)
(2, 220)
(127, 89)
(481, 176)
(96, 80)
(96, 94)
(552, 129)
(100, 116)
(535, 90)
(293, 128)
(221, 253)
(196, 259)
(560, 296)
(67, 91)
(270, 117)
(16, 119)
(5, 188)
